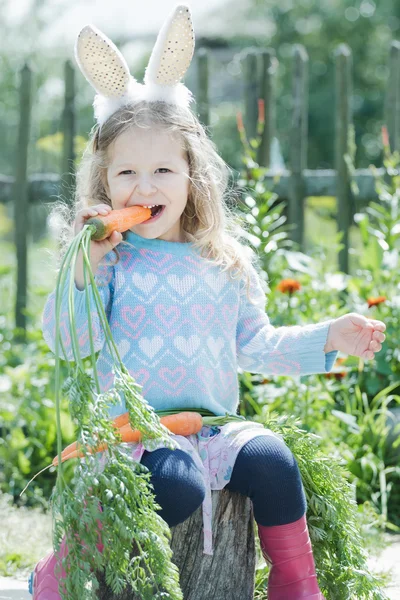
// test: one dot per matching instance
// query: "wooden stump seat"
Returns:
(228, 574)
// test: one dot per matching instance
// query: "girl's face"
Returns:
(150, 167)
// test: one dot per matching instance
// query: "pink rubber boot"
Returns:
(288, 549)
(43, 582)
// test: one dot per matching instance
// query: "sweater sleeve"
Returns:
(289, 350)
(104, 279)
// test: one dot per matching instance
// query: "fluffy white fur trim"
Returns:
(105, 107)
(178, 94)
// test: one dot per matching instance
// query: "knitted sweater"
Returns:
(183, 328)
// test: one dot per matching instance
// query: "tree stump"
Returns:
(230, 572)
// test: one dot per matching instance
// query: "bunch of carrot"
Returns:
(183, 423)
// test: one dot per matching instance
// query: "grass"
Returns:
(25, 537)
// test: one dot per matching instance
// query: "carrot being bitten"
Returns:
(118, 220)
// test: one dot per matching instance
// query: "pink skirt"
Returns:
(214, 450)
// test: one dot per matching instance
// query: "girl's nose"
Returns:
(146, 187)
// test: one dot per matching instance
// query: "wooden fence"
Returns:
(293, 185)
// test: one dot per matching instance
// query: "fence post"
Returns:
(393, 97)
(21, 206)
(251, 93)
(68, 127)
(298, 144)
(342, 131)
(203, 106)
(267, 69)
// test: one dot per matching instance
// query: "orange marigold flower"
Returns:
(288, 286)
(261, 110)
(239, 120)
(375, 301)
(338, 375)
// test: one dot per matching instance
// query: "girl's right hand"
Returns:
(98, 249)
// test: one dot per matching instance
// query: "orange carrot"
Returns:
(118, 220)
(121, 420)
(118, 422)
(183, 423)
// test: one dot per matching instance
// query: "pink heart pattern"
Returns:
(167, 315)
(203, 314)
(141, 376)
(133, 317)
(173, 377)
(206, 375)
(183, 328)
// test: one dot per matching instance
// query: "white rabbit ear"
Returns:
(102, 63)
(173, 50)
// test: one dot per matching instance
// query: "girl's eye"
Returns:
(130, 171)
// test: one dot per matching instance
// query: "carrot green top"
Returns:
(183, 328)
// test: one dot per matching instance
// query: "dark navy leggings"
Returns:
(265, 470)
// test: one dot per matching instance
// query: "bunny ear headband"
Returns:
(106, 70)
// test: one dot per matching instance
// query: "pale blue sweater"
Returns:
(183, 328)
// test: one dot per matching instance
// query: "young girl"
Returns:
(185, 304)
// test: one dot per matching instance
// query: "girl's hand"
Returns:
(356, 335)
(97, 249)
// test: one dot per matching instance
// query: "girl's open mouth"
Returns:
(156, 212)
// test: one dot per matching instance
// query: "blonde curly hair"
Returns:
(208, 222)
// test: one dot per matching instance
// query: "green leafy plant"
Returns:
(120, 485)
(369, 457)
(376, 280)
(27, 415)
(332, 516)
(266, 228)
